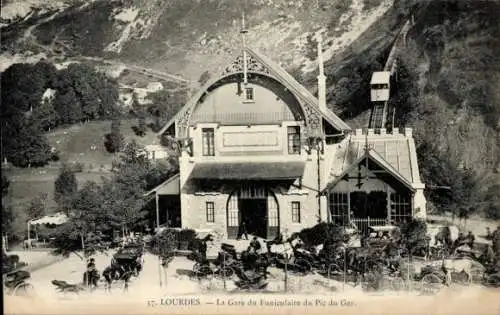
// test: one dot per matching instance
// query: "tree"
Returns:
(165, 244)
(68, 107)
(129, 185)
(65, 186)
(166, 104)
(24, 84)
(492, 199)
(45, 116)
(37, 207)
(27, 147)
(7, 213)
(141, 128)
(114, 140)
(414, 236)
(5, 185)
(84, 94)
(87, 225)
(8, 217)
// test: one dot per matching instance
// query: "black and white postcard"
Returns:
(250, 156)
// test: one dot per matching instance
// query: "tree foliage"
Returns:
(30, 149)
(65, 187)
(414, 235)
(164, 244)
(81, 94)
(165, 104)
(37, 207)
(320, 233)
(5, 185)
(118, 203)
(114, 140)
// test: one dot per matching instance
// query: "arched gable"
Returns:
(223, 102)
(257, 63)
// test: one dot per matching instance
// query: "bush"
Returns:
(165, 244)
(187, 235)
(319, 233)
(414, 234)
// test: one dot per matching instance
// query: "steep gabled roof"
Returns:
(395, 153)
(299, 90)
(282, 76)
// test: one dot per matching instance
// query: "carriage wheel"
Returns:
(375, 265)
(24, 289)
(322, 268)
(397, 284)
(304, 266)
(204, 272)
(226, 272)
(196, 267)
(431, 284)
(333, 269)
(462, 281)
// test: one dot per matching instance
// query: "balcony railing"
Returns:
(243, 118)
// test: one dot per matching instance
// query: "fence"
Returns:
(363, 223)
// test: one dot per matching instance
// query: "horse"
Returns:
(444, 235)
(115, 272)
(462, 265)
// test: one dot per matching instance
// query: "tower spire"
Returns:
(243, 40)
(321, 75)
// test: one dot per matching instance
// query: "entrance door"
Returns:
(233, 217)
(254, 213)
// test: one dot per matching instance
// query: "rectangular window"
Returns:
(295, 212)
(210, 209)
(338, 206)
(400, 208)
(208, 140)
(293, 139)
(249, 94)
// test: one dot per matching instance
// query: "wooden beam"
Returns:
(157, 198)
(388, 192)
(348, 205)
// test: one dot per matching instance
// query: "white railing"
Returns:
(363, 223)
(243, 117)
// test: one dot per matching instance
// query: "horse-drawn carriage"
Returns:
(129, 258)
(16, 283)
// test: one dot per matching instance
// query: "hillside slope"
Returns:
(448, 91)
(186, 37)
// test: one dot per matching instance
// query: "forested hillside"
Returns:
(448, 91)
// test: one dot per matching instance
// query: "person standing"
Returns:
(203, 250)
(243, 230)
(255, 244)
(470, 239)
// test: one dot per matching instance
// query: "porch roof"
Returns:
(248, 171)
(372, 155)
(169, 187)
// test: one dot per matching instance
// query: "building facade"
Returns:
(258, 149)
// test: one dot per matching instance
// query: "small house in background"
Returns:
(156, 151)
(154, 86)
(380, 86)
(49, 95)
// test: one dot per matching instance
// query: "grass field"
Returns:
(75, 145)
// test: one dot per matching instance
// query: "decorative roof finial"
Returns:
(243, 32)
